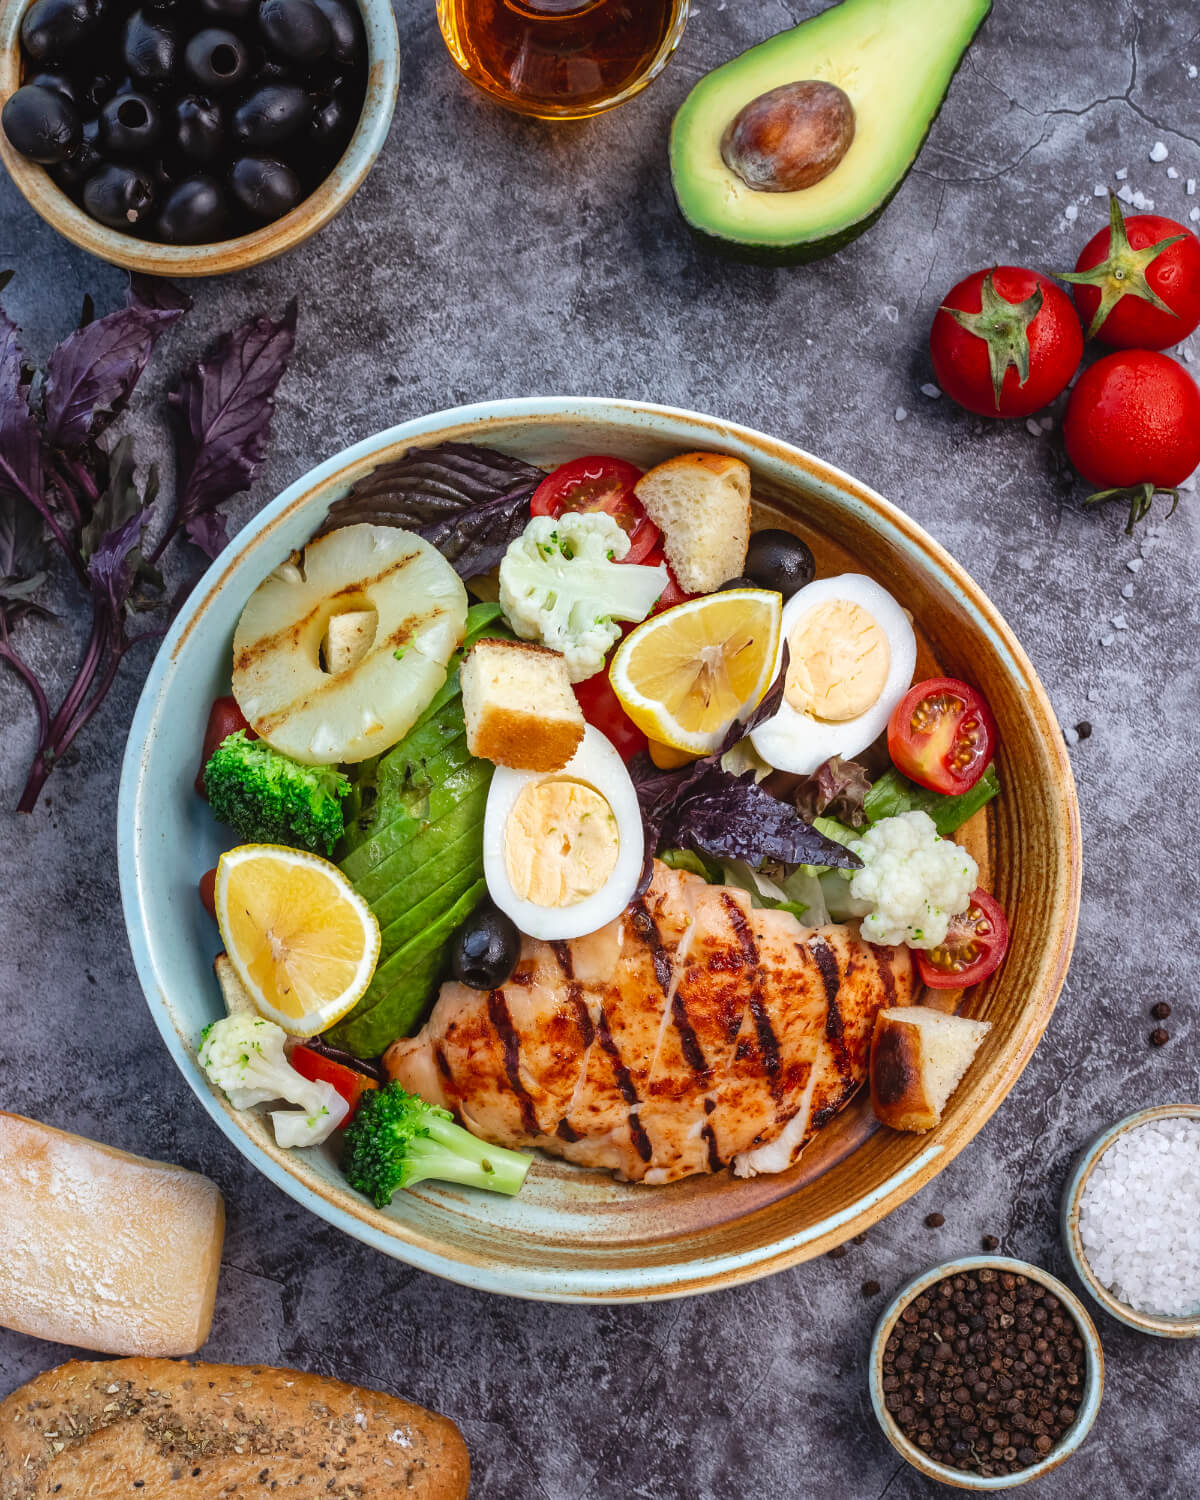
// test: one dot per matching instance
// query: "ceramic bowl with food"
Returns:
(575, 1233)
(250, 246)
(1086, 1406)
(1161, 1325)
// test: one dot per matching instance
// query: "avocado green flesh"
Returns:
(430, 806)
(893, 58)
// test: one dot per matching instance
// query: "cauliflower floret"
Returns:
(914, 881)
(243, 1054)
(562, 583)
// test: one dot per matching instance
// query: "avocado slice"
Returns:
(893, 60)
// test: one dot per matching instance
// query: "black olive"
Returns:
(228, 10)
(780, 561)
(83, 161)
(57, 83)
(296, 29)
(217, 59)
(150, 49)
(270, 114)
(332, 123)
(41, 124)
(345, 23)
(50, 29)
(119, 195)
(129, 125)
(196, 212)
(264, 187)
(96, 88)
(485, 949)
(199, 128)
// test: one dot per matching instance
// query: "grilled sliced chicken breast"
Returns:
(693, 1032)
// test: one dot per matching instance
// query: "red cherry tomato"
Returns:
(349, 1082)
(602, 709)
(995, 324)
(672, 594)
(1124, 267)
(600, 483)
(224, 718)
(208, 892)
(975, 946)
(1134, 419)
(942, 735)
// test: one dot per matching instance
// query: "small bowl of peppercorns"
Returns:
(193, 137)
(986, 1372)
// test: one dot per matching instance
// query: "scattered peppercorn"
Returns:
(1160, 1036)
(1083, 729)
(870, 1289)
(984, 1371)
(990, 1242)
(861, 1239)
(935, 1221)
(837, 1252)
(1161, 1011)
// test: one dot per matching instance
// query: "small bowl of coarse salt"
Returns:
(1131, 1220)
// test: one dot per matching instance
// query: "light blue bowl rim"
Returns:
(1085, 1415)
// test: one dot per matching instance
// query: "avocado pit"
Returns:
(790, 137)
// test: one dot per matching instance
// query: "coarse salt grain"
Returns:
(901, 413)
(1191, 185)
(1127, 591)
(931, 390)
(1032, 427)
(1099, 191)
(1070, 213)
(1194, 215)
(1158, 152)
(1173, 174)
(1125, 192)
(1134, 564)
(1138, 1218)
(1121, 173)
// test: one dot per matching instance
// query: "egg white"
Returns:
(597, 765)
(799, 743)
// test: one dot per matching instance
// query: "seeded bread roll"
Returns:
(918, 1058)
(101, 1249)
(701, 504)
(159, 1428)
(519, 707)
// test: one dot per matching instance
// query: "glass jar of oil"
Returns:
(562, 59)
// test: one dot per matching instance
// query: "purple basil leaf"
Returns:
(469, 502)
(731, 817)
(92, 373)
(20, 442)
(113, 566)
(22, 558)
(153, 293)
(225, 402)
(836, 789)
(119, 499)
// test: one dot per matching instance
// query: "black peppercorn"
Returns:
(1160, 1036)
(935, 1221)
(990, 1242)
(870, 1289)
(1161, 1011)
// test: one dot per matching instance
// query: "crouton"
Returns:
(701, 504)
(918, 1058)
(519, 707)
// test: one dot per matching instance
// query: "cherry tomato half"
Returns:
(602, 709)
(942, 735)
(672, 594)
(349, 1082)
(224, 718)
(208, 892)
(600, 483)
(974, 948)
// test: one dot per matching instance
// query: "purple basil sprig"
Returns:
(469, 502)
(58, 477)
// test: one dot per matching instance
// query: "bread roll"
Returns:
(172, 1431)
(101, 1249)
(918, 1058)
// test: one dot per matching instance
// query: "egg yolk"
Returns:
(839, 662)
(561, 842)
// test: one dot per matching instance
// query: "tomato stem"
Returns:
(1123, 270)
(1004, 328)
(1140, 498)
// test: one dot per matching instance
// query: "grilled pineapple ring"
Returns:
(279, 679)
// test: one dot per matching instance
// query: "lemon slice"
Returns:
(303, 941)
(684, 675)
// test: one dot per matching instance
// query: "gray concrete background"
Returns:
(490, 256)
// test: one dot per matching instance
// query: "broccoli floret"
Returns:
(397, 1140)
(268, 798)
(244, 1055)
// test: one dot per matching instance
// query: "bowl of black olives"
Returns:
(193, 137)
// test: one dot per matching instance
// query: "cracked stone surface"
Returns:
(490, 256)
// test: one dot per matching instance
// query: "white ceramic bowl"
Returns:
(1072, 1199)
(575, 1234)
(1086, 1411)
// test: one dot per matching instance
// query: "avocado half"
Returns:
(894, 59)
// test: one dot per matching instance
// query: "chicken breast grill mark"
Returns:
(694, 1032)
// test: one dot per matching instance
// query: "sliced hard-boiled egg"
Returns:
(563, 850)
(851, 656)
